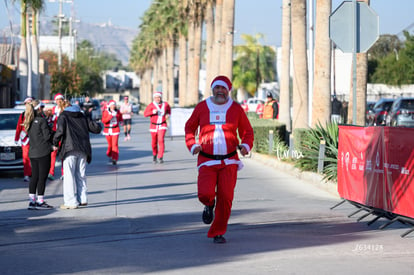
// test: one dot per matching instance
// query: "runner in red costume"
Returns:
(222, 121)
(22, 135)
(111, 118)
(158, 111)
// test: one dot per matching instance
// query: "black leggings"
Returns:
(40, 170)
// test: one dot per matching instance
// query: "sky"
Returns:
(251, 16)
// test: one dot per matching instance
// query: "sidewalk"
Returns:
(146, 218)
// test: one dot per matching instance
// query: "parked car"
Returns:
(253, 102)
(10, 153)
(378, 114)
(401, 112)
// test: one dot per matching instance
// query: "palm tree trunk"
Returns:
(217, 39)
(35, 57)
(209, 22)
(191, 95)
(300, 65)
(361, 88)
(182, 75)
(322, 84)
(23, 66)
(284, 106)
(170, 72)
(197, 59)
(226, 62)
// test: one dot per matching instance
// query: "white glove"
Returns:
(154, 111)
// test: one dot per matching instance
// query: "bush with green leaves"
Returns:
(309, 146)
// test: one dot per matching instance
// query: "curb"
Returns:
(309, 177)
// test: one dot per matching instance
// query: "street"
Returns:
(146, 218)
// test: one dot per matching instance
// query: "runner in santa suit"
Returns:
(221, 122)
(111, 118)
(22, 136)
(56, 111)
(158, 111)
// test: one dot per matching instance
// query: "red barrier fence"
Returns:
(376, 167)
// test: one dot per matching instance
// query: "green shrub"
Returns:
(261, 128)
(309, 146)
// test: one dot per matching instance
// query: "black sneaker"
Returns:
(219, 239)
(208, 214)
(43, 206)
(32, 206)
(154, 160)
(113, 162)
(161, 160)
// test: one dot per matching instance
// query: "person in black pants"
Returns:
(39, 153)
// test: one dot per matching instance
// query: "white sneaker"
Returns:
(128, 137)
(26, 178)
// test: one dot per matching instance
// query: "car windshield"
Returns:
(9, 121)
(407, 104)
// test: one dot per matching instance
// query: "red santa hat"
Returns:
(221, 80)
(58, 96)
(111, 102)
(157, 93)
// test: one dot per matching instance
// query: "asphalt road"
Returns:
(146, 218)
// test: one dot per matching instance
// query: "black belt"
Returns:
(159, 123)
(111, 126)
(218, 157)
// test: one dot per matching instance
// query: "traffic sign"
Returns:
(343, 32)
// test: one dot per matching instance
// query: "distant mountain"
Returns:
(105, 37)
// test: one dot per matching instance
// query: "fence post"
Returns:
(270, 142)
(321, 157)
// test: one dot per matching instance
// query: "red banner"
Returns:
(376, 167)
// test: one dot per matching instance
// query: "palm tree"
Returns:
(300, 65)
(248, 77)
(322, 84)
(27, 67)
(284, 106)
(209, 23)
(37, 6)
(361, 88)
(227, 33)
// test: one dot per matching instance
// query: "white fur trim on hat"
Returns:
(219, 83)
(59, 96)
(112, 102)
(157, 94)
(28, 99)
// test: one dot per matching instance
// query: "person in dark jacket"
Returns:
(75, 151)
(39, 153)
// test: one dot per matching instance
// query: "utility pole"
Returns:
(60, 17)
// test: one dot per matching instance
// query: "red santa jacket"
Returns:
(158, 115)
(220, 126)
(21, 133)
(111, 120)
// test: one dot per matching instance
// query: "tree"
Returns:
(396, 68)
(65, 79)
(248, 77)
(300, 65)
(29, 57)
(322, 77)
(361, 89)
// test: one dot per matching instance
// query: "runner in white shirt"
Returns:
(126, 111)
